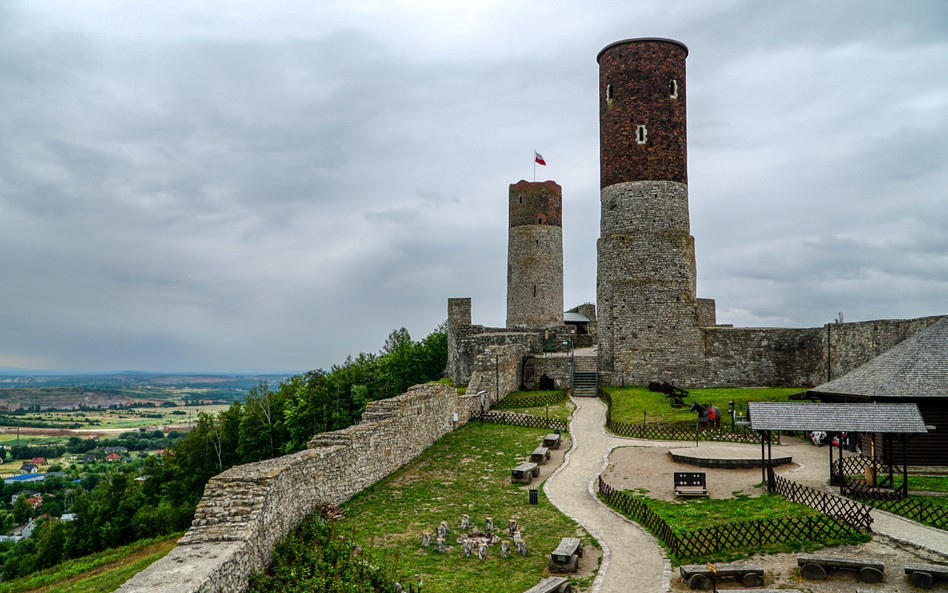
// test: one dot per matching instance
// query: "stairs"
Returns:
(585, 376)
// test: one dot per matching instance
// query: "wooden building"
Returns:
(914, 371)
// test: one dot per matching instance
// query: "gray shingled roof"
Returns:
(573, 317)
(868, 417)
(917, 367)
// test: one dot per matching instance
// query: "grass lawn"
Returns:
(561, 410)
(465, 472)
(692, 515)
(633, 404)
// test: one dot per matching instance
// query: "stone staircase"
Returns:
(585, 376)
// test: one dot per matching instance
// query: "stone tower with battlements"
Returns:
(647, 308)
(535, 255)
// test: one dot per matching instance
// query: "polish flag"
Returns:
(539, 158)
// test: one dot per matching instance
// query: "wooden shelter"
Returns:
(914, 371)
(895, 422)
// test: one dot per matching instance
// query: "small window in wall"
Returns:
(540, 218)
(608, 92)
(641, 134)
(534, 290)
(673, 89)
(521, 199)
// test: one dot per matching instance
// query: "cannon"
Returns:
(674, 394)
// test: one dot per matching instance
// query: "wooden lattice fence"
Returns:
(844, 509)
(739, 534)
(527, 420)
(548, 399)
(916, 510)
(672, 432)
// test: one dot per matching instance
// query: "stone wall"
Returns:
(747, 357)
(502, 367)
(854, 344)
(247, 509)
(558, 368)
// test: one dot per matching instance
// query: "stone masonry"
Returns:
(647, 305)
(535, 255)
(248, 509)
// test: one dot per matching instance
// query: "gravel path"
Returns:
(632, 559)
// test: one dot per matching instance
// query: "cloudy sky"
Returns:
(246, 185)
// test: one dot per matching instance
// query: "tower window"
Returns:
(641, 134)
(540, 218)
(673, 89)
(608, 92)
(521, 199)
(534, 290)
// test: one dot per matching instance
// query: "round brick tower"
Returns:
(646, 260)
(535, 255)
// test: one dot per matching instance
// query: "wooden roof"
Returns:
(916, 367)
(891, 418)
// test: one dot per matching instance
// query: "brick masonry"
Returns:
(642, 87)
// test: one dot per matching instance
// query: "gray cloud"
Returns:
(207, 186)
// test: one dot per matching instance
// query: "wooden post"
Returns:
(468, 547)
(426, 539)
(522, 548)
(505, 549)
(465, 522)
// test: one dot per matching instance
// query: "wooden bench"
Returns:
(552, 441)
(565, 558)
(540, 455)
(699, 577)
(690, 484)
(524, 473)
(551, 585)
(813, 567)
(923, 575)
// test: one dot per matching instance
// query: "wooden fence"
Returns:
(531, 401)
(673, 432)
(916, 510)
(739, 534)
(527, 420)
(844, 509)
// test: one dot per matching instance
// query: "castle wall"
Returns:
(502, 368)
(765, 357)
(248, 509)
(707, 313)
(558, 368)
(854, 344)
(459, 324)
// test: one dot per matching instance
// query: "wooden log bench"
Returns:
(551, 585)
(699, 577)
(565, 558)
(690, 484)
(813, 567)
(524, 473)
(540, 455)
(924, 575)
(552, 441)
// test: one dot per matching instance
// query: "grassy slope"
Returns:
(98, 573)
(465, 472)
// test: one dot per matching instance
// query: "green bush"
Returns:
(316, 557)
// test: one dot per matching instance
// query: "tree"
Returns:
(22, 510)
